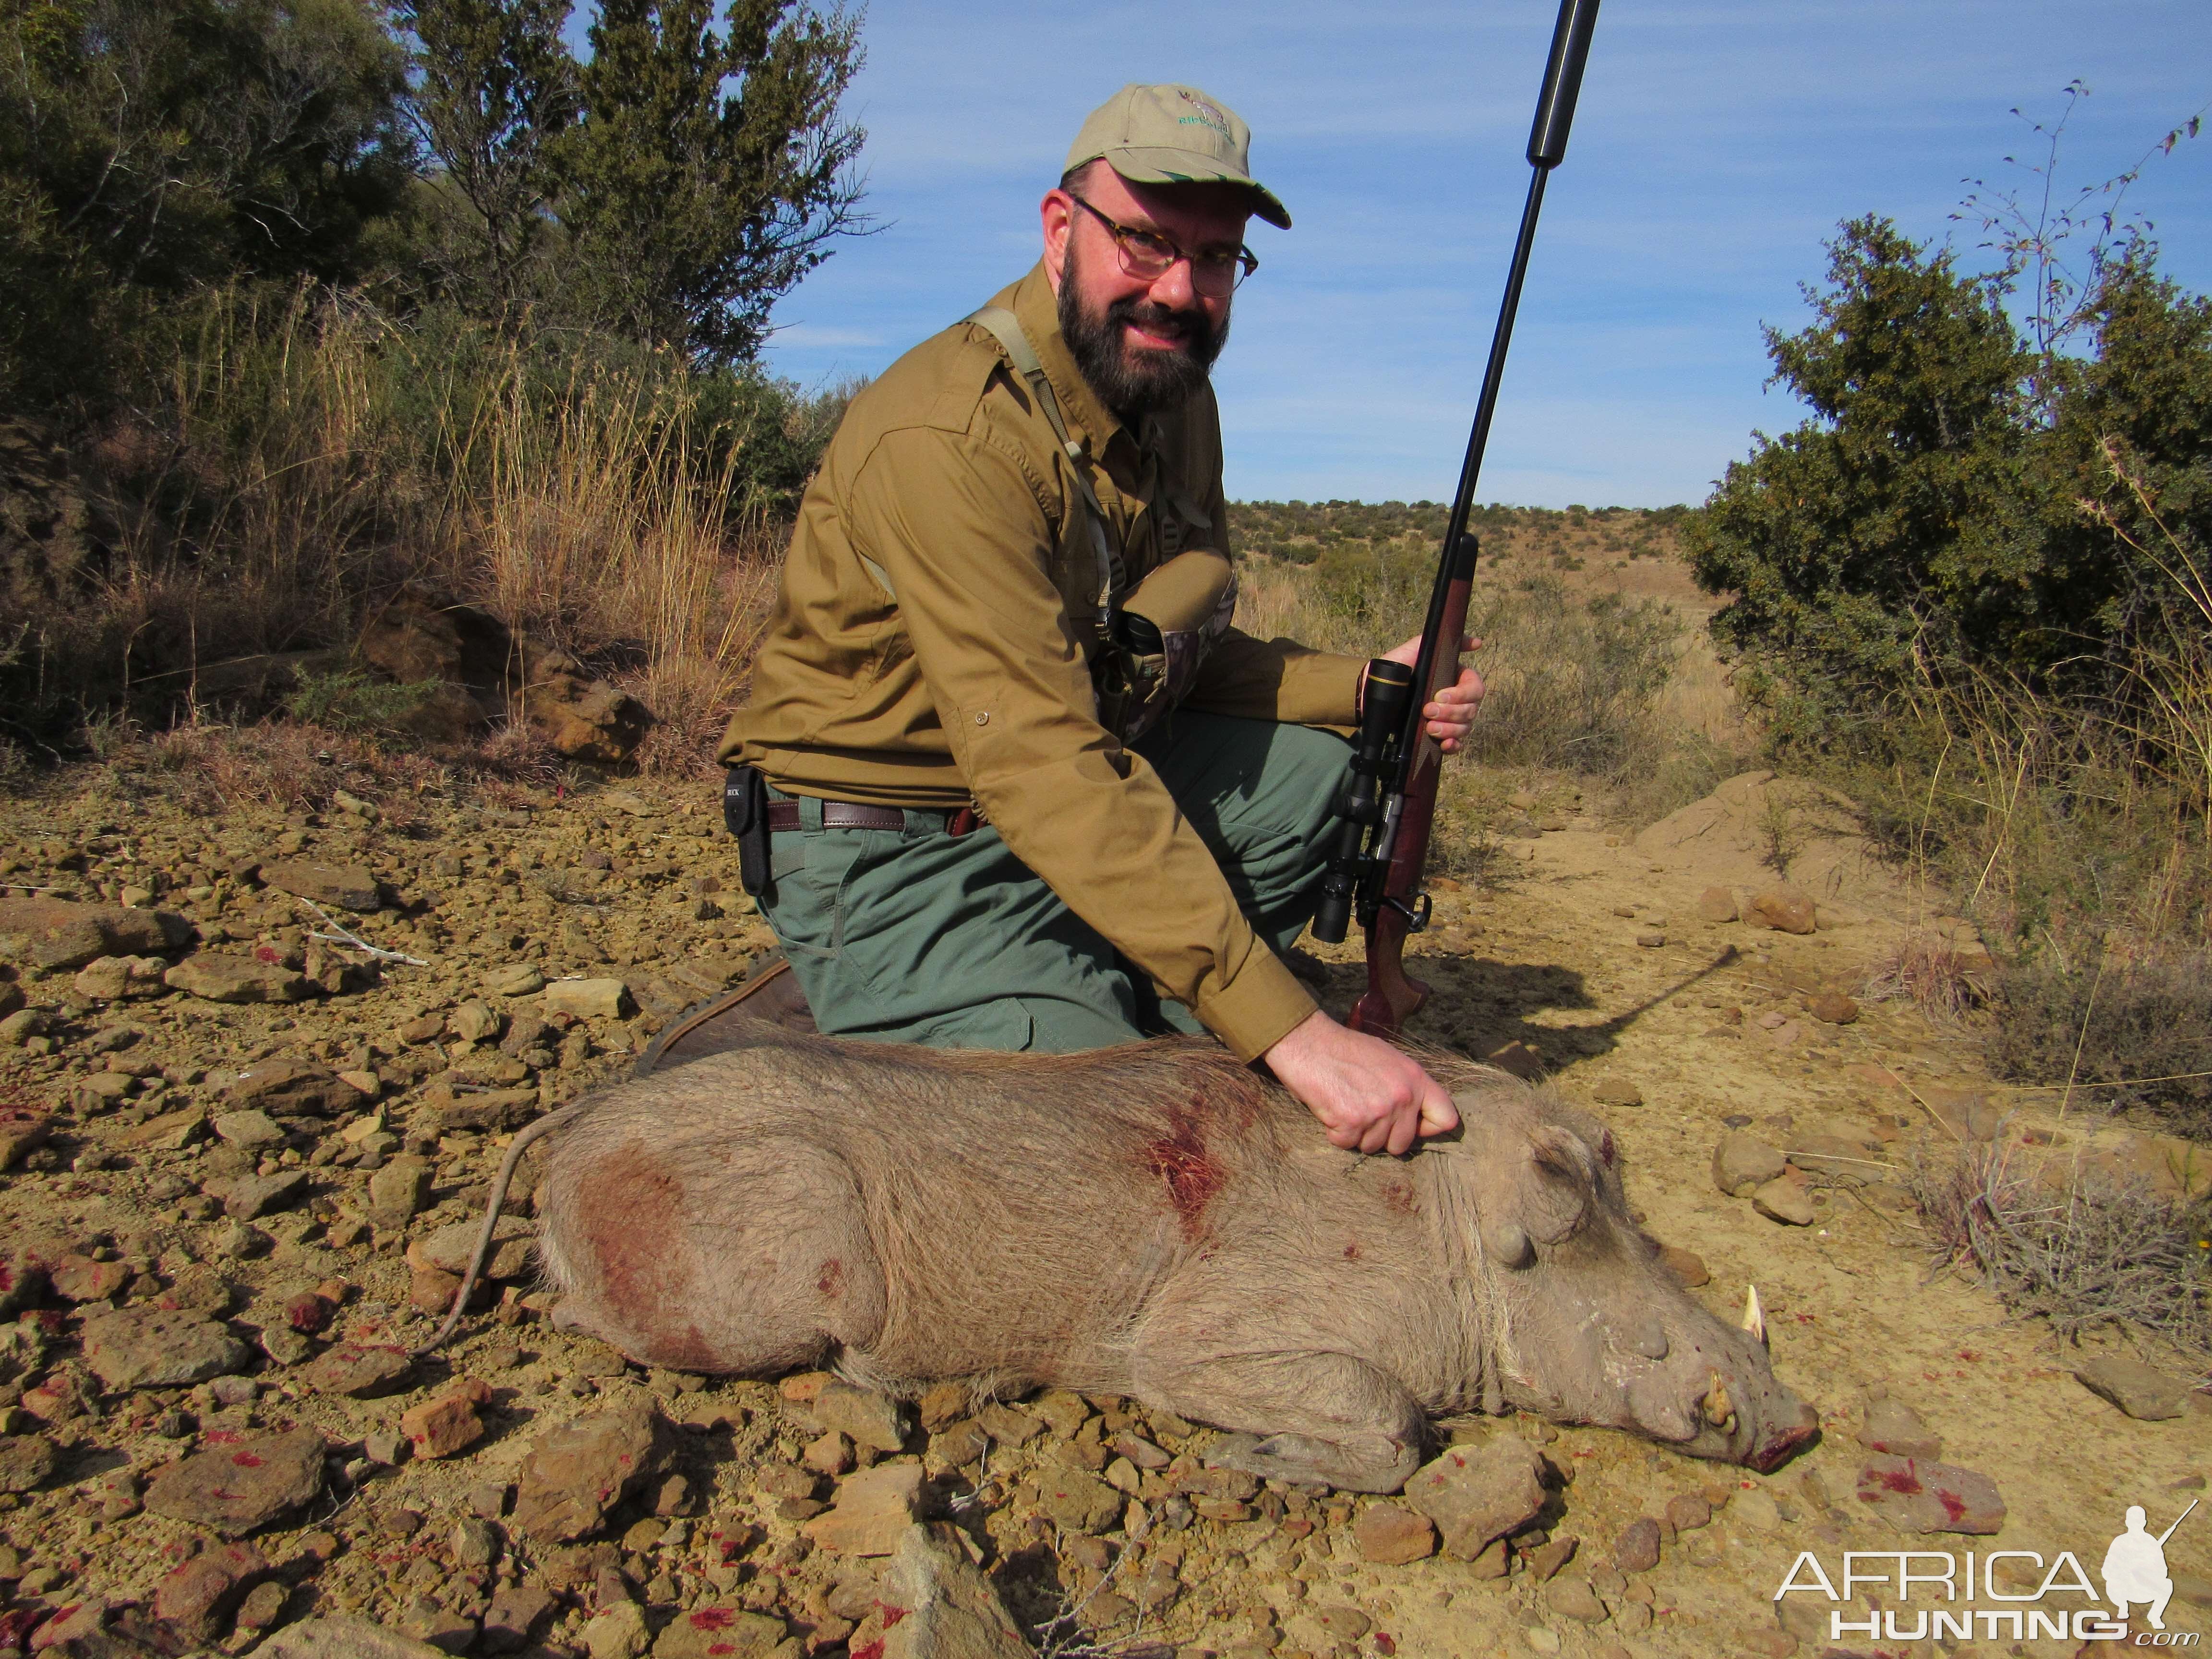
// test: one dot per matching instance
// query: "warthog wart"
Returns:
(1154, 1220)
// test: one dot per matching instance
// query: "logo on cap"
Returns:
(1208, 116)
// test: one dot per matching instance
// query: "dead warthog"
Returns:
(1154, 1220)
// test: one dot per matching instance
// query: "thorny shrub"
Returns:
(2066, 1244)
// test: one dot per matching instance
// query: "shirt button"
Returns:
(982, 719)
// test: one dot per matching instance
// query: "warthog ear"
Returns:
(1556, 1185)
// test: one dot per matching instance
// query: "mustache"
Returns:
(1189, 326)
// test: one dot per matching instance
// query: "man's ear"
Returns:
(1057, 215)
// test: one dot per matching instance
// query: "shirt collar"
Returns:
(1038, 309)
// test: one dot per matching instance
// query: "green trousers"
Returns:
(916, 936)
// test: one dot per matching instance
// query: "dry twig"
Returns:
(353, 941)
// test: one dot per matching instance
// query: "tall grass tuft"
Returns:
(306, 457)
(604, 527)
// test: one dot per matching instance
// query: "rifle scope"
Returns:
(1383, 710)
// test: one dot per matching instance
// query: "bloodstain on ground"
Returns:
(1180, 1159)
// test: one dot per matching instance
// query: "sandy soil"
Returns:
(1592, 956)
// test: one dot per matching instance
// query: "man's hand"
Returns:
(1370, 1097)
(1451, 711)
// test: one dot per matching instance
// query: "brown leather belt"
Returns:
(783, 817)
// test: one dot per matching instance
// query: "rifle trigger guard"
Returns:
(1416, 914)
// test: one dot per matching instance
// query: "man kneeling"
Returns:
(1027, 785)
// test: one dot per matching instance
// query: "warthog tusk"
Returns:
(1754, 1316)
(1719, 1409)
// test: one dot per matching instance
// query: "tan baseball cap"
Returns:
(1174, 135)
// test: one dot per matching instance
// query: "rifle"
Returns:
(1384, 818)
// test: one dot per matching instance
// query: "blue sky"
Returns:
(1717, 144)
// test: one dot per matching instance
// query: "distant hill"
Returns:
(1626, 549)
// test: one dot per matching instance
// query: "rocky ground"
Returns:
(244, 1151)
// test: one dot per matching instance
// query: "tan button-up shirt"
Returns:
(930, 646)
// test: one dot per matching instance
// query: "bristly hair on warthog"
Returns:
(1154, 1220)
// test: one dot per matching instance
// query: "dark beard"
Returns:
(1129, 381)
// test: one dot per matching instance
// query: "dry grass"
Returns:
(594, 528)
(1927, 969)
(2061, 1244)
(2074, 834)
(211, 767)
(1579, 682)
(1585, 688)
(310, 457)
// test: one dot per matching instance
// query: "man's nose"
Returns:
(1174, 288)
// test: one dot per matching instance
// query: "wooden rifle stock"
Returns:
(1392, 994)
(1393, 903)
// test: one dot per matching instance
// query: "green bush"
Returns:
(1929, 523)
(148, 147)
(1975, 591)
(348, 701)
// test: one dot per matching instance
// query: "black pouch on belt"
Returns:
(744, 808)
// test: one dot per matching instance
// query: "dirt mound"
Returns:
(1760, 828)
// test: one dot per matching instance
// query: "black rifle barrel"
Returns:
(1547, 145)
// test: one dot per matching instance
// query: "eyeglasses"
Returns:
(1148, 256)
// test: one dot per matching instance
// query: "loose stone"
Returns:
(865, 1417)
(449, 1423)
(1914, 1495)
(346, 886)
(1637, 1549)
(576, 1473)
(155, 1349)
(875, 1507)
(242, 1483)
(1785, 909)
(1892, 1426)
(2141, 1391)
(1743, 1162)
(1787, 1200)
(214, 977)
(1475, 1494)
(1391, 1536)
